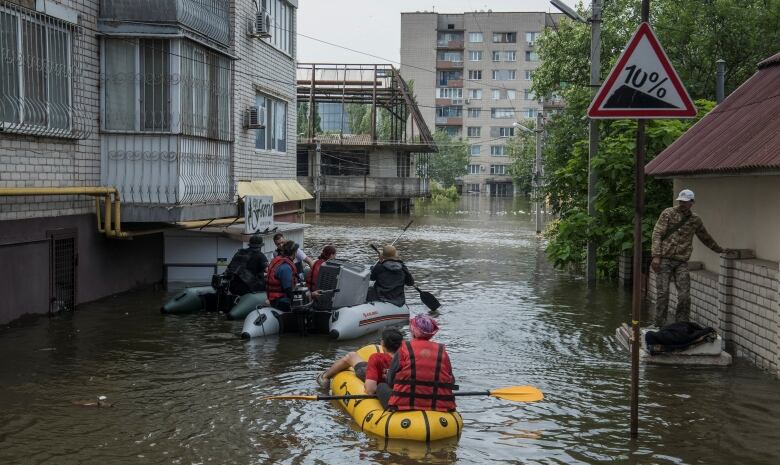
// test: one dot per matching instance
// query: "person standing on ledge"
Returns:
(671, 249)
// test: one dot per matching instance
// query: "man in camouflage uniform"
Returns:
(671, 249)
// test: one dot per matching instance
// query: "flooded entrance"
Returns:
(185, 389)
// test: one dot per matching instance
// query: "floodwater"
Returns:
(185, 388)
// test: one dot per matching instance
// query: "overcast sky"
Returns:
(374, 26)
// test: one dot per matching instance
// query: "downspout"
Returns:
(109, 194)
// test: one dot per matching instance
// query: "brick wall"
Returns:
(27, 161)
(261, 68)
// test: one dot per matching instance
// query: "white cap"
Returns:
(686, 195)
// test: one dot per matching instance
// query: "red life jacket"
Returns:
(424, 379)
(273, 287)
(314, 274)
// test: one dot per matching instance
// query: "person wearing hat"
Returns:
(671, 248)
(390, 275)
(247, 267)
(421, 373)
(282, 277)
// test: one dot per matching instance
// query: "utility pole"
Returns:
(317, 174)
(538, 171)
(593, 135)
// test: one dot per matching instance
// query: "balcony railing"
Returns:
(450, 44)
(449, 64)
(346, 187)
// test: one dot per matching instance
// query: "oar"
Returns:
(511, 393)
(428, 299)
(402, 232)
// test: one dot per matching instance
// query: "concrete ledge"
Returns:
(141, 213)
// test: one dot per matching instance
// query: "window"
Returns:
(35, 71)
(475, 37)
(475, 94)
(508, 55)
(274, 136)
(529, 95)
(444, 38)
(205, 92)
(444, 77)
(473, 169)
(497, 150)
(502, 132)
(450, 56)
(452, 131)
(495, 94)
(475, 75)
(504, 75)
(449, 92)
(449, 112)
(504, 37)
(475, 150)
(529, 74)
(473, 188)
(530, 112)
(531, 56)
(497, 169)
(474, 112)
(500, 113)
(473, 131)
(475, 55)
(282, 24)
(531, 37)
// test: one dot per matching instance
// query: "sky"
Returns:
(374, 26)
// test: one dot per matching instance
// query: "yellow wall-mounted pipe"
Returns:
(109, 194)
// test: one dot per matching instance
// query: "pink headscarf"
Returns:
(423, 327)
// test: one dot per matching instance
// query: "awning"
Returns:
(282, 190)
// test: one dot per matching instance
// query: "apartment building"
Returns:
(123, 121)
(472, 77)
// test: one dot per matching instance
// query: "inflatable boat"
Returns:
(414, 425)
(198, 299)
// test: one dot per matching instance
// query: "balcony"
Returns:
(448, 64)
(362, 187)
(454, 83)
(207, 19)
(449, 121)
(168, 177)
(450, 44)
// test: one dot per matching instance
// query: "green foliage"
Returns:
(449, 163)
(303, 120)
(440, 193)
(522, 152)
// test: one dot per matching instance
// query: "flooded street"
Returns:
(185, 388)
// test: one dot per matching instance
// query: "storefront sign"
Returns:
(258, 213)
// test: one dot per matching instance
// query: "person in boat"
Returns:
(390, 275)
(300, 258)
(328, 252)
(282, 277)
(247, 268)
(420, 373)
(372, 372)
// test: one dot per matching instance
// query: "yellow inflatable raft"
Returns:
(415, 425)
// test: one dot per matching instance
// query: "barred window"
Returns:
(35, 72)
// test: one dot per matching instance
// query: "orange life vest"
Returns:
(314, 274)
(424, 378)
(273, 287)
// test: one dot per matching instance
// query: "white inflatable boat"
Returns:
(343, 313)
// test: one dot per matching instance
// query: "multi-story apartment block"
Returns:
(133, 108)
(472, 76)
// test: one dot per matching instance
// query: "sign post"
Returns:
(258, 213)
(642, 85)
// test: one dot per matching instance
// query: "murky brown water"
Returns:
(185, 389)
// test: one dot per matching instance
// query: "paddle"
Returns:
(511, 393)
(428, 299)
(402, 232)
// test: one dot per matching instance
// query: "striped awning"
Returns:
(282, 190)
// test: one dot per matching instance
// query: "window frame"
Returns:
(282, 25)
(473, 168)
(478, 151)
(494, 169)
(473, 131)
(474, 112)
(475, 34)
(271, 124)
(478, 54)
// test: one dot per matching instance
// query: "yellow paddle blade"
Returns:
(289, 397)
(518, 393)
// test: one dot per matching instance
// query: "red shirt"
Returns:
(378, 364)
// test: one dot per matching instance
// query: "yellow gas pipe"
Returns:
(109, 194)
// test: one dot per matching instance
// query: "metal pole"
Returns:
(593, 136)
(312, 110)
(317, 173)
(720, 81)
(636, 307)
(538, 171)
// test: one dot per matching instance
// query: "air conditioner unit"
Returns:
(482, 167)
(260, 25)
(254, 118)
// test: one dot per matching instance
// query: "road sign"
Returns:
(643, 84)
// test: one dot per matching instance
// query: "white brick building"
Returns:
(146, 97)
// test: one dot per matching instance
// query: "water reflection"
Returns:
(186, 389)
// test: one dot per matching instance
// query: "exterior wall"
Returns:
(738, 212)
(29, 161)
(261, 68)
(25, 287)
(383, 164)
(418, 50)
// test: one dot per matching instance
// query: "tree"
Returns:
(522, 152)
(450, 162)
(303, 120)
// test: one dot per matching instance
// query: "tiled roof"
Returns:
(741, 135)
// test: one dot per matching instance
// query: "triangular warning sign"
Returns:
(643, 84)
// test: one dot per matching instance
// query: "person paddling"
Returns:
(420, 373)
(390, 275)
(374, 371)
